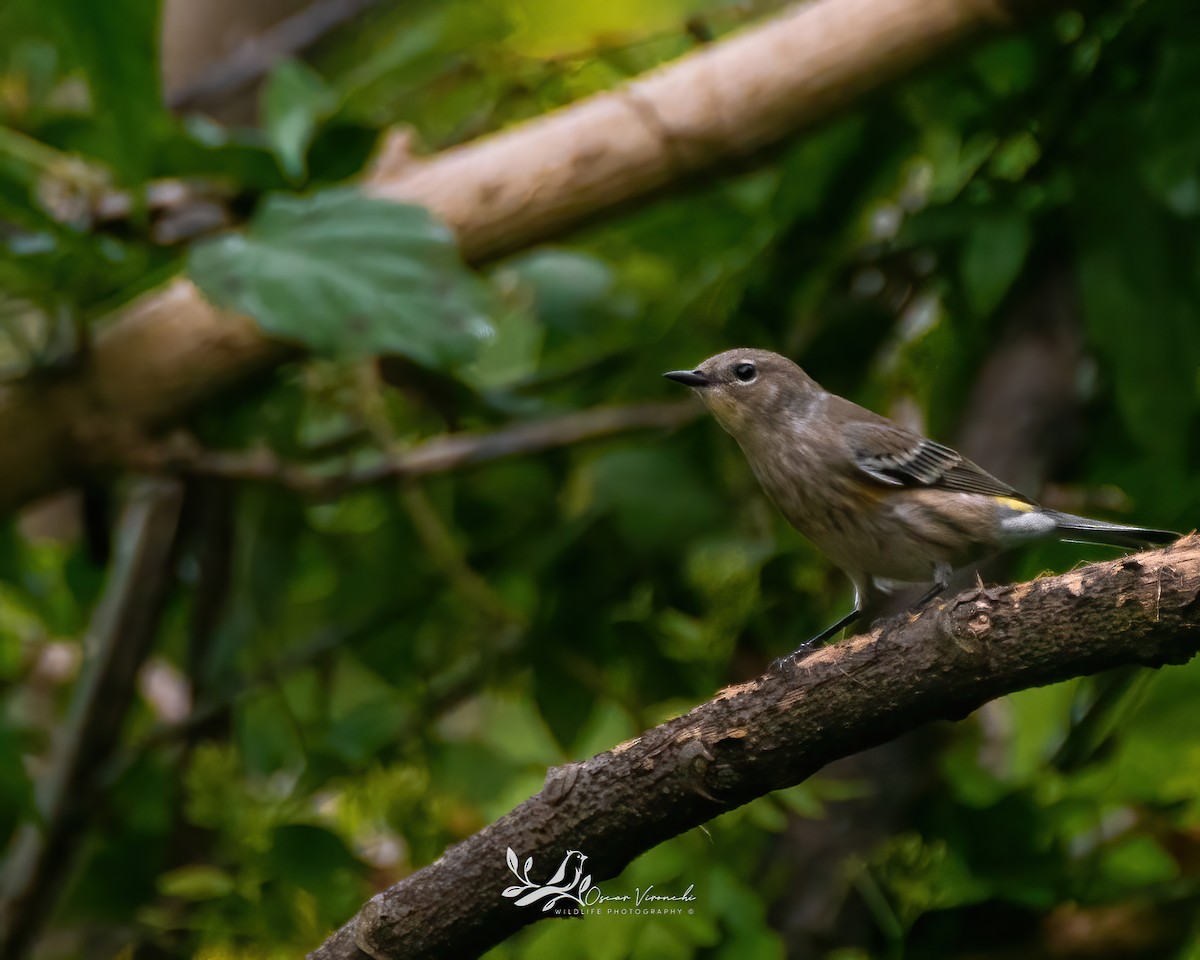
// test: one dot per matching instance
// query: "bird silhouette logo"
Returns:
(568, 882)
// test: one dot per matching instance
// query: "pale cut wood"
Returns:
(724, 101)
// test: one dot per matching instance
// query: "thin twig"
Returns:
(254, 57)
(442, 692)
(325, 642)
(445, 553)
(439, 455)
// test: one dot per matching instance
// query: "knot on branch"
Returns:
(970, 619)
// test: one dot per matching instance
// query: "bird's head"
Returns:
(745, 388)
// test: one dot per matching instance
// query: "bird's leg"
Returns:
(784, 665)
(941, 580)
(831, 631)
(926, 597)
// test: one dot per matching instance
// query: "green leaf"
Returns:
(1137, 862)
(1007, 66)
(562, 700)
(267, 736)
(992, 257)
(349, 276)
(308, 855)
(295, 100)
(109, 52)
(650, 493)
(198, 882)
(1136, 274)
(198, 147)
(362, 732)
(1014, 157)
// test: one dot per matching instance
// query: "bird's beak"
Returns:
(689, 378)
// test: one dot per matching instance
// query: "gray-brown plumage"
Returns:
(887, 505)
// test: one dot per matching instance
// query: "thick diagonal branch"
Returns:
(776, 731)
(171, 350)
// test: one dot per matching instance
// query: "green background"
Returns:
(393, 669)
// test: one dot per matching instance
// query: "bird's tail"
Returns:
(1083, 530)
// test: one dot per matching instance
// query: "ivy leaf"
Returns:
(349, 276)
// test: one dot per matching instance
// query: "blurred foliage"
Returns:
(348, 276)
(391, 671)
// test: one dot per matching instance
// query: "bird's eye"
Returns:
(745, 372)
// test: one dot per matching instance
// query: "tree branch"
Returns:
(722, 102)
(776, 731)
(171, 350)
(254, 57)
(120, 635)
(454, 451)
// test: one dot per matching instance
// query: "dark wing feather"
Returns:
(901, 458)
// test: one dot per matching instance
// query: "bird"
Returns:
(888, 506)
(561, 873)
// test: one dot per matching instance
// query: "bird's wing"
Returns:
(900, 458)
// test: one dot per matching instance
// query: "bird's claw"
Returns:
(785, 666)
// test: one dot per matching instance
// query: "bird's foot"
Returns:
(785, 666)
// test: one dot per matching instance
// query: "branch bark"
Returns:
(776, 731)
(171, 350)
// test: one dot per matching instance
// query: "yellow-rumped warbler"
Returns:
(885, 504)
